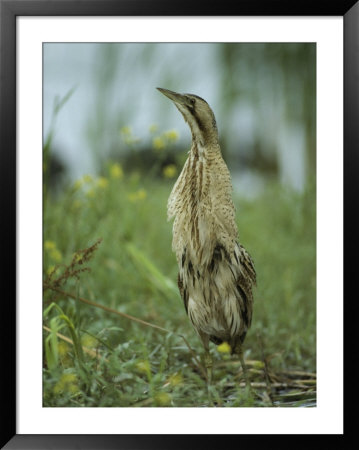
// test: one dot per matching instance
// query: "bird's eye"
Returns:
(191, 103)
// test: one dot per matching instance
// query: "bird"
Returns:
(216, 274)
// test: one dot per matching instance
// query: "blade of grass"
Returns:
(71, 328)
(152, 273)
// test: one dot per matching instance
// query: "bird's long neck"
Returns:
(205, 147)
(200, 161)
(203, 137)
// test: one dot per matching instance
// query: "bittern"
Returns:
(216, 274)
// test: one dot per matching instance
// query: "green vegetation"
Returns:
(96, 357)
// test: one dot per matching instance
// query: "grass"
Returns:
(96, 354)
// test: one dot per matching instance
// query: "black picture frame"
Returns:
(9, 10)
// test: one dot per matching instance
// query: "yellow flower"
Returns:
(171, 135)
(63, 348)
(169, 171)
(116, 171)
(72, 388)
(158, 143)
(49, 245)
(78, 184)
(90, 193)
(88, 341)
(69, 378)
(258, 365)
(50, 270)
(55, 254)
(67, 383)
(128, 137)
(163, 399)
(175, 379)
(139, 195)
(153, 128)
(87, 179)
(224, 348)
(126, 131)
(144, 367)
(102, 182)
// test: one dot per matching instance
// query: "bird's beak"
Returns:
(175, 97)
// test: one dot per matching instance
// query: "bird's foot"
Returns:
(245, 373)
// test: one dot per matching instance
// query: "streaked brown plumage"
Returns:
(216, 274)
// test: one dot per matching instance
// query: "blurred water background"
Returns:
(100, 103)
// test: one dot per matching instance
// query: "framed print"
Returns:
(175, 183)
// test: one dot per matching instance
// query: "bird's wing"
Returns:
(245, 281)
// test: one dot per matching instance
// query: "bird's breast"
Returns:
(202, 205)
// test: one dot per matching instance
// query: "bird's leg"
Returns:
(239, 351)
(208, 362)
(207, 358)
(244, 367)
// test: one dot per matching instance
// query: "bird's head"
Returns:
(197, 113)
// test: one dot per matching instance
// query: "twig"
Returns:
(106, 308)
(298, 373)
(236, 362)
(146, 402)
(310, 382)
